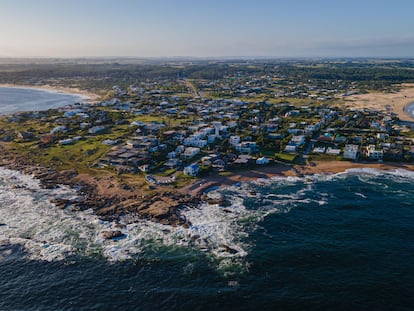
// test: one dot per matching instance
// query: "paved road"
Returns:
(193, 89)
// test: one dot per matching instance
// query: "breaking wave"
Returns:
(29, 218)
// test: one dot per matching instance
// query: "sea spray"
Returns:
(221, 233)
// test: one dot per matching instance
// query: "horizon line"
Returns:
(206, 57)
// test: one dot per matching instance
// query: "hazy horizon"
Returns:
(211, 29)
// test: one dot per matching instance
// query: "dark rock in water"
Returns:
(120, 226)
(230, 250)
(222, 201)
(60, 203)
(164, 221)
(195, 237)
(111, 234)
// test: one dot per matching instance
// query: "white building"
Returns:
(190, 152)
(350, 152)
(195, 142)
(320, 150)
(333, 151)
(290, 148)
(58, 129)
(96, 129)
(172, 155)
(192, 170)
(234, 140)
(217, 127)
(373, 153)
(246, 147)
(297, 140)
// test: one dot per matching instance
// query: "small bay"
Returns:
(15, 99)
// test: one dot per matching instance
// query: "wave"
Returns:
(30, 219)
(223, 234)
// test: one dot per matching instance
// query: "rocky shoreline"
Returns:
(164, 207)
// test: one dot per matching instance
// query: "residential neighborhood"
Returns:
(161, 128)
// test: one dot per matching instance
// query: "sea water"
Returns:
(410, 110)
(29, 99)
(342, 242)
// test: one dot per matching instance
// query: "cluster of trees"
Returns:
(101, 75)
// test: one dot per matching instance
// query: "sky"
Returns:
(206, 28)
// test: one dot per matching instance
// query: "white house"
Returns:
(232, 124)
(172, 155)
(190, 152)
(234, 140)
(96, 129)
(372, 153)
(192, 169)
(246, 147)
(320, 150)
(58, 129)
(350, 152)
(195, 142)
(333, 151)
(290, 148)
(297, 140)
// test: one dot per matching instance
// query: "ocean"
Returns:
(323, 242)
(410, 110)
(29, 99)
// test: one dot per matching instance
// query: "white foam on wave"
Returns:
(49, 233)
(361, 195)
(399, 173)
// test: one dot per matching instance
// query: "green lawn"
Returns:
(287, 157)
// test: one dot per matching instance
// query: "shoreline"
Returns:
(285, 170)
(110, 199)
(85, 95)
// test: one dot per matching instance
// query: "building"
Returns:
(234, 140)
(195, 142)
(192, 170)
(298, 140)
(333, 151)
(320, 150)
(290, 148)
(190, 152)
(247, 147)
(350, 152)
(373, 153)
(96, 129)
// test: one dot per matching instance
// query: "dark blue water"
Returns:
(343, 242)
(27, 99)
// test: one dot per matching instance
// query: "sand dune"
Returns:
(393, 102)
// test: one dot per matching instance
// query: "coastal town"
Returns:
(169, 129)
(206, 155)
(169, 140)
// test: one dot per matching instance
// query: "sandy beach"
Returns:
(86, 95)
(322, 167)
(394, 102)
